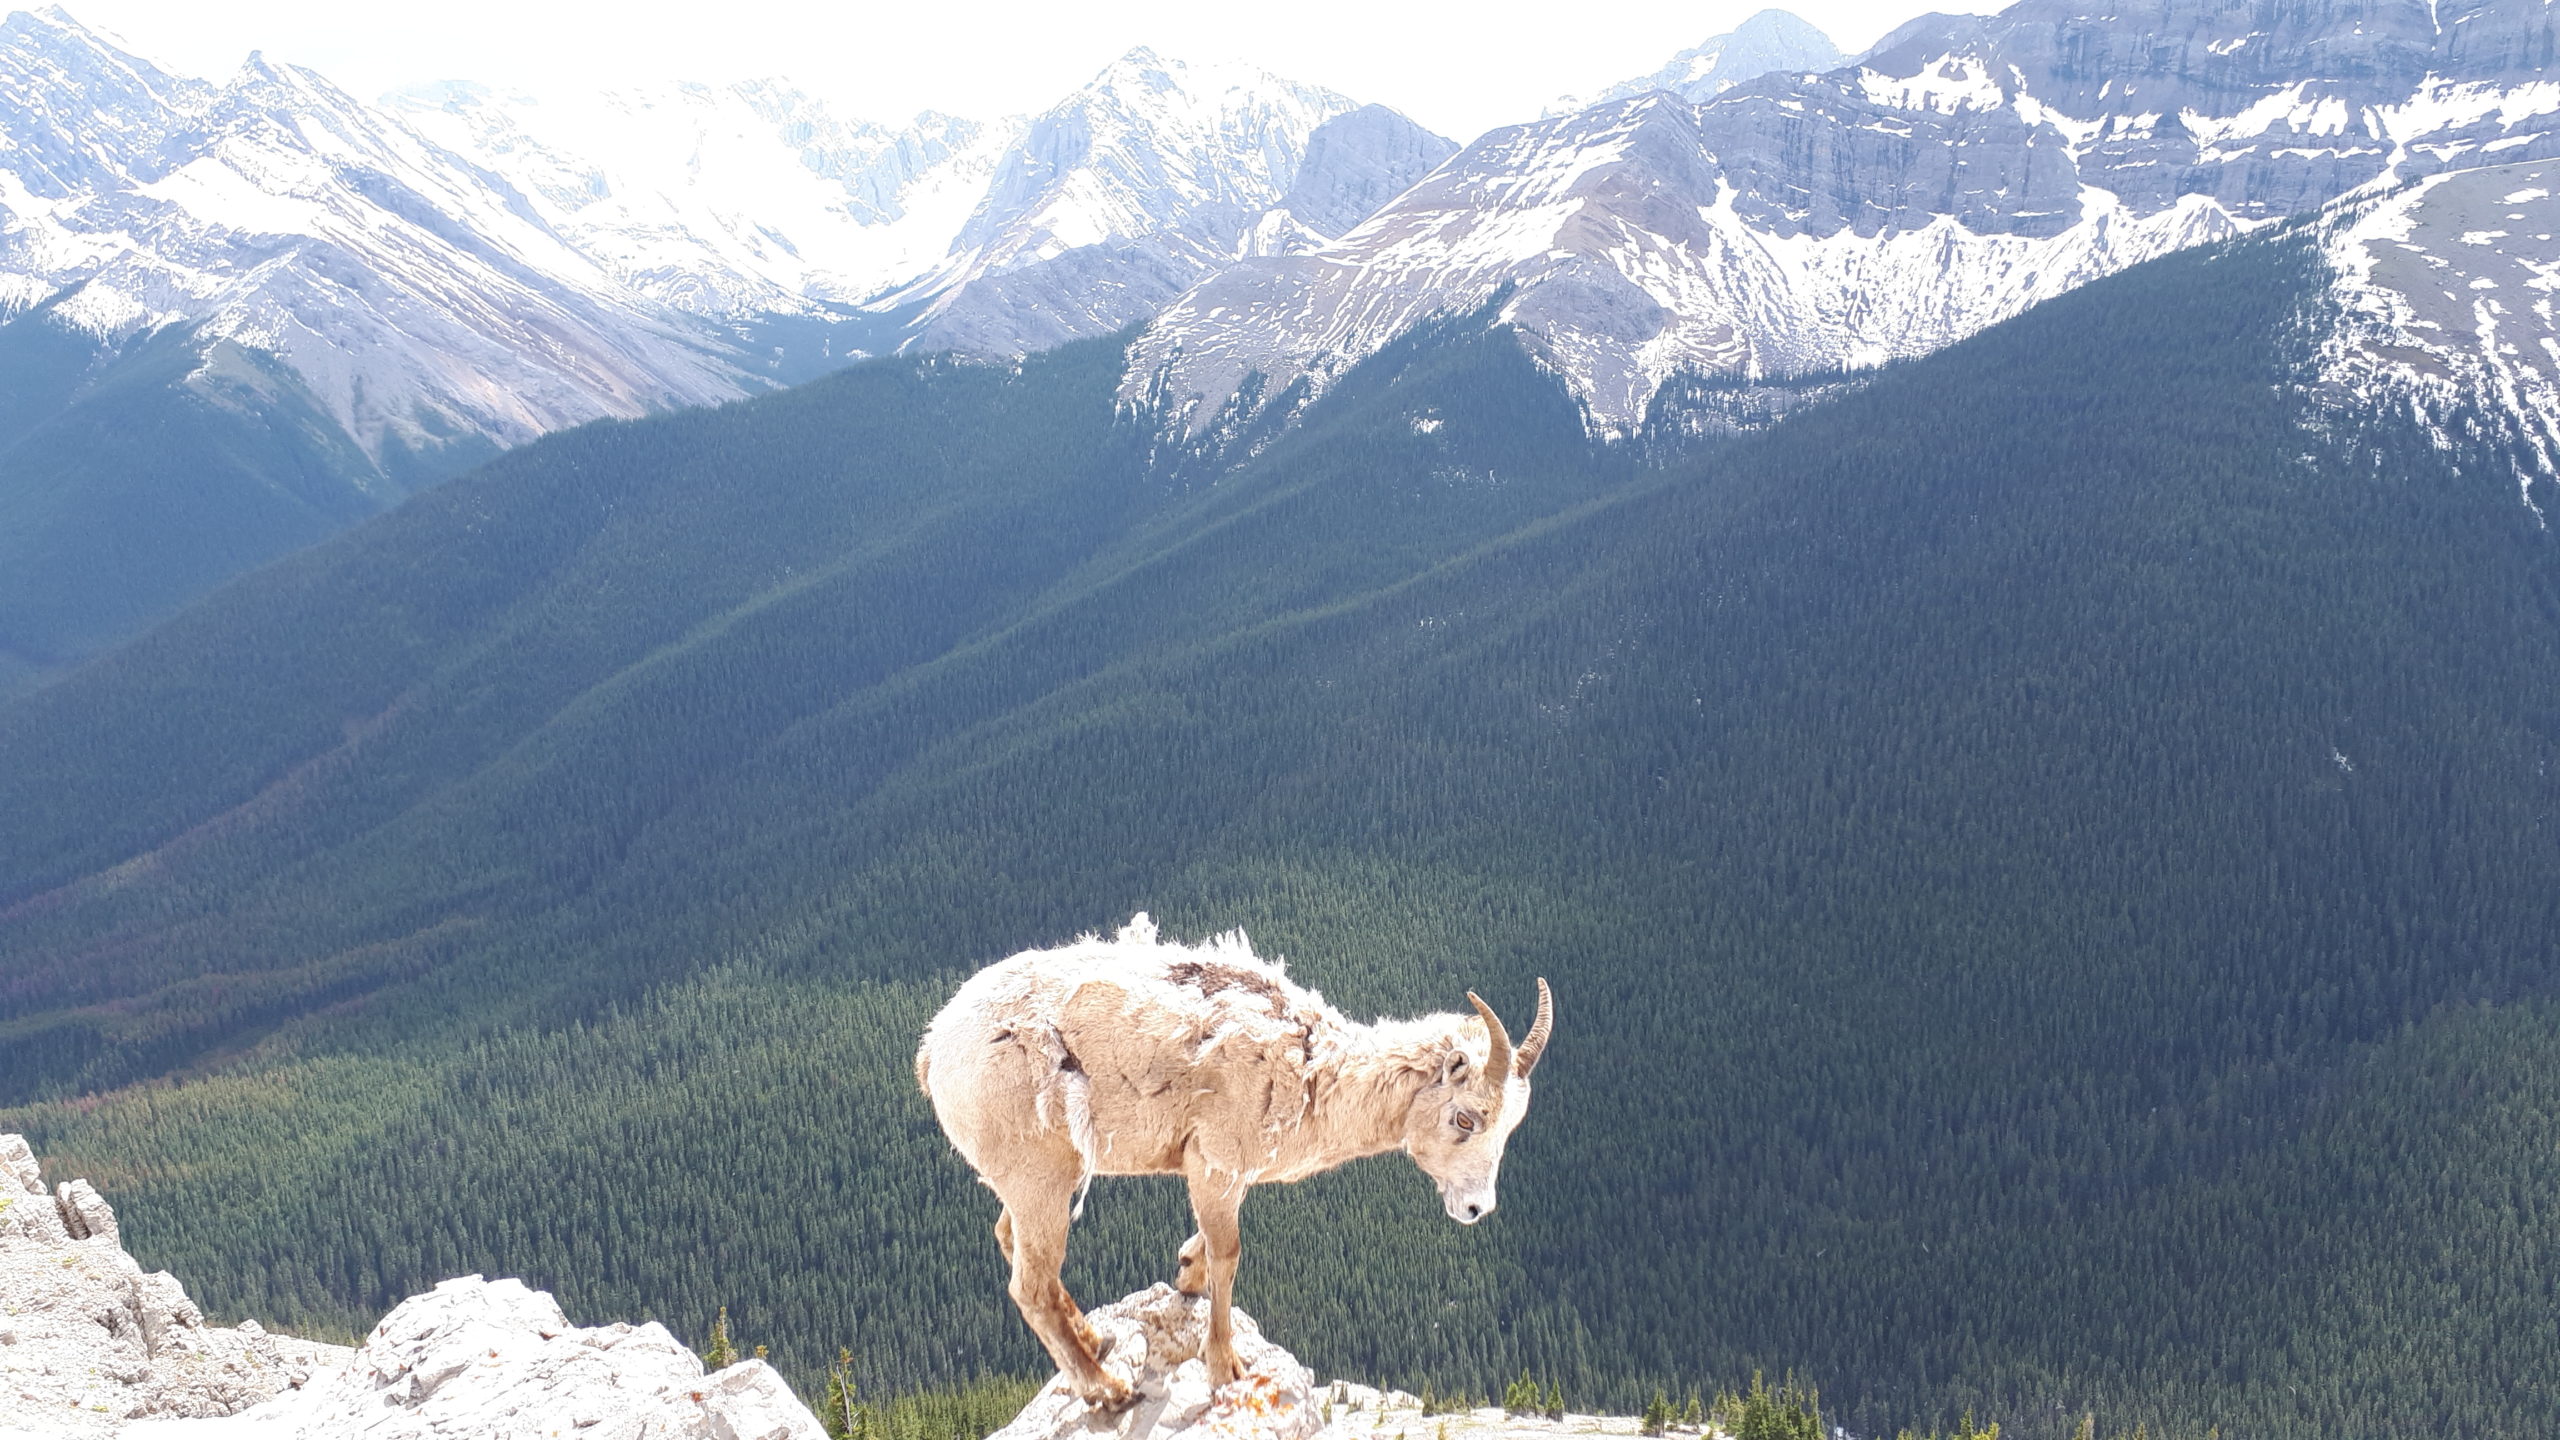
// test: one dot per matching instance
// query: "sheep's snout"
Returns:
(1468, 1209)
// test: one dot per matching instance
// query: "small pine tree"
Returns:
(722, 1354)
(1520, 1397)
(1657, 1412)
(1694, 1414)
(839, 1413)
(1430, 1402)
(1555, 1400)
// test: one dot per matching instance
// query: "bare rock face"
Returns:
(477, 1357)
(1800, 222)
(1154, 1340)
(91, 1346)
(88, 1341)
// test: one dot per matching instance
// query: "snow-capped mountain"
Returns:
(1768, 41)
(725, 201)
(409, 294)
(1152, 176)
(1965, 169)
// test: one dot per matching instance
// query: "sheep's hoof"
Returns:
(1106, 1391)
(1222, 1367)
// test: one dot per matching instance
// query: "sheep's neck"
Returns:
(1367, 1089)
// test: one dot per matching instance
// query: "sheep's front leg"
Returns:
(1215, 1201)
(1191, 1272)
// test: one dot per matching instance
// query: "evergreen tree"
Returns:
(721, 1354)
(839, 1413)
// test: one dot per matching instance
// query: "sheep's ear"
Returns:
(1453, 1071)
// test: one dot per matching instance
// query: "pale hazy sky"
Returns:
(1459, 68)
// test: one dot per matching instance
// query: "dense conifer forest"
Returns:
(2046, 864)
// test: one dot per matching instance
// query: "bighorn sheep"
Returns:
(1129, 1057)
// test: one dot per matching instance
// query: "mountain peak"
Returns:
(55, 30)
(55, 20)
(1769, 40)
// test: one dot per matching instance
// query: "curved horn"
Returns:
(1498, 1063)
(1535, 1044)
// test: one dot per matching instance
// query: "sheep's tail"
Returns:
(1071, 1091)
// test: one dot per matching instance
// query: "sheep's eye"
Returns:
(1465, 1122)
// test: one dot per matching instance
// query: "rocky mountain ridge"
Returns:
(458, 263)
(1964, 169)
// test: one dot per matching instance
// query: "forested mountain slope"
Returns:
(2045, 863)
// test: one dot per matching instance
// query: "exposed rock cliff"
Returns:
(477, 1357)
(88, 1341)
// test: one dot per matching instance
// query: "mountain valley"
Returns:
(1985, 614)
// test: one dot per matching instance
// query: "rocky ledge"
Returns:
(88, 1341)
(92, 1346)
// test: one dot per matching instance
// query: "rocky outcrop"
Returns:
(477, 1357)
(88, 1341)
(1153, 1340)
(92, 1346)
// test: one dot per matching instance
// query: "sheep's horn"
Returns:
(1499, 1062)
(1535, 1044)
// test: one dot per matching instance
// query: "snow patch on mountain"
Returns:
(2446, 290)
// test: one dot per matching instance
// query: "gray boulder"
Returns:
(89, 1341)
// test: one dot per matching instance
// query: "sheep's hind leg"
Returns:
(1033, 1232)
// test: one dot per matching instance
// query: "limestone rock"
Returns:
(1153, 1341)
(494, 1358)
(89, 1341)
